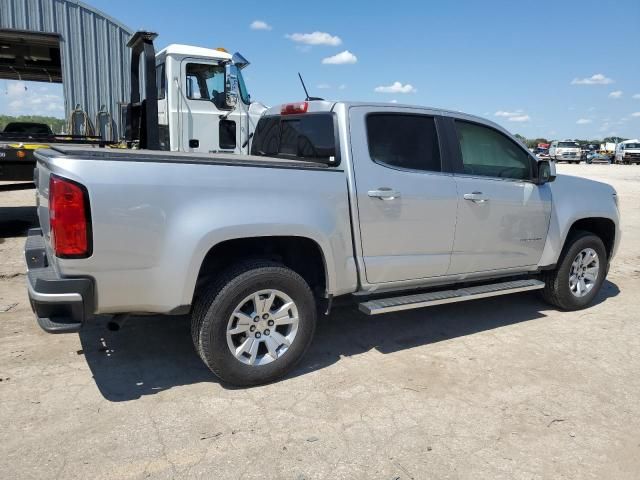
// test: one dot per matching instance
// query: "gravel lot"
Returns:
(497, 388)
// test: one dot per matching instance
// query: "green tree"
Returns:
(613, 139)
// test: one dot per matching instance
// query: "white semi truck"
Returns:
(195, 100)
(203, 102)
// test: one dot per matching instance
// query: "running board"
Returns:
(409, 302)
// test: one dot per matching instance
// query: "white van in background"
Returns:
(565, 150)
(628, 152)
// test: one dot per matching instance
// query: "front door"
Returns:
(503, 217)
(406, 204)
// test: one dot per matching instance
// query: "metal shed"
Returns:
(69, 41)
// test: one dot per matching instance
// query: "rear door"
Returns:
(406, 202)
(503, 216)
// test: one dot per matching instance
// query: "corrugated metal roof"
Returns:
(95, 58)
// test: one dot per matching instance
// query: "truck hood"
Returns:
(580, 187)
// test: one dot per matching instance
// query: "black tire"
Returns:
(556, 290)
(215, 306)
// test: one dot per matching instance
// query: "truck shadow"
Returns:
(16, 221)
(155, 353)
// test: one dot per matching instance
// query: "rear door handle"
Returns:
(476, 197)
(384, 193)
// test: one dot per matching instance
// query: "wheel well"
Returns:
(300, 254)
(602, 227)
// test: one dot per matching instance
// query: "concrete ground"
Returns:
(498, 388)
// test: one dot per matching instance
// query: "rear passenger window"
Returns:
(489, 153)
(404, 141)
(307, 136)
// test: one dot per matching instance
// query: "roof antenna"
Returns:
(305, 90)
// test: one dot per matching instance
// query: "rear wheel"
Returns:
(579, 275)
(255, 323)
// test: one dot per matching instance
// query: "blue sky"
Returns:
(561, 69)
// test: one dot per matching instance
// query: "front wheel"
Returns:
(579, 274)
(255, 323)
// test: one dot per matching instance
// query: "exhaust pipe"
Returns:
(117, 322)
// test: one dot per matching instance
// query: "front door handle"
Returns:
(476, 197)
(384, 193)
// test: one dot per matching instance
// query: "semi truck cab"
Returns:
(203, 102)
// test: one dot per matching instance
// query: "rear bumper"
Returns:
(61, 305)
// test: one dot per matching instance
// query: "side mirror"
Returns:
(231, 99)
(546, 172)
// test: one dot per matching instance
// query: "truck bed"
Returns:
(155, 215)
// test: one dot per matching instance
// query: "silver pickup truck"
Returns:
(393, 207)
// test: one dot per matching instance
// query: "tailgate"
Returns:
(41, 179)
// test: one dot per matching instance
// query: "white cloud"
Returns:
(396, 87)
(636, 96)
(616, 94)
(26, 99)
(323, 86)
(315, 38)
(394, 101)
(260, 25)
(520, 118)
(583, 121)
(635, 114)
(16, 89)
(341, 58)
(502, 113)
(597, 79)
(515, 116)
(342, 87)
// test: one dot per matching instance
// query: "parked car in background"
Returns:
(27, 128)
(542, 152)
(608, 149)
(628, 152)
(597, 157)
(565, 151)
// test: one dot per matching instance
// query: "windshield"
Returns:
(627, 146)
(568, 145)
(244, 94)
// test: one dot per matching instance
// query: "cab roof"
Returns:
(177, 49)
(315, 106)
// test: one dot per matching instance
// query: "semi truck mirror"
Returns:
(231, 99)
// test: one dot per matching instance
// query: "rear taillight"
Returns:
(293, 108)
(69, 218)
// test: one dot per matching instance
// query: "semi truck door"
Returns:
(202, 105)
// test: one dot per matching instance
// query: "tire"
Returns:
(557, 290)
(212, 318)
